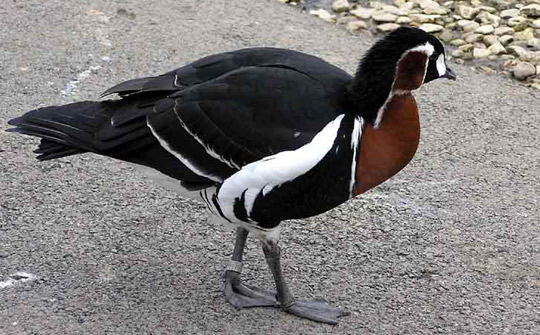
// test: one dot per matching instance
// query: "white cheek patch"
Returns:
(441, 65)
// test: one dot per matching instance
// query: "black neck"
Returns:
(369, 91)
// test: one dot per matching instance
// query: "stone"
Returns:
(467, 12)
(497, 49)
(468, 25)
(387, 27)
(381, 16)
(344, 20)
(516, 20)
(533, 57)
(536, 86)
(517, 50)
(431, 28)
(523, 70)
(403, 20)
(532, 10)
(423, 18)
(407, 6)
(506, 39)
(363, 13)
(534, 43)
(499, 4)
(490, 39)
(446, 35)
(375, 4)
(485, 30)
(356, 25)
(466, 47)
(508, 13)
(457, 53)
(487, 18)
(426, 3)
(474, 38)
(525, 35)
(457, 42)
(479, 45)
(535, 24)
(433, 8)
(393, 10)
(503, 31)
(323, 14)
(340, 6)
(488, 9)
(481, 53)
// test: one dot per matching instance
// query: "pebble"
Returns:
(506, 39)
(503, 31)
(481, 53)
(431, 28)
(490, 40)
(466, 11)
(472, 38)
(506, 14)
(363, 13)
(323, 14)
(403, 20)
(356, 25)
(497, 49)
(423, 18)
(522, 70)
(386, 27)
(487, 18)
(485, 30)
(340, 6)
(457, 42)
(381, 16)
(532, 10)
(525, 34)
(534, 43)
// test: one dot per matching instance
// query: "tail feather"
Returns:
(64, 130)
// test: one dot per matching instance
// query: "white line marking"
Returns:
(19, 277)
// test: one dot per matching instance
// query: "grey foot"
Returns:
(243, 296)
(318, 311)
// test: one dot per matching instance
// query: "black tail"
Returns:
(64, 130)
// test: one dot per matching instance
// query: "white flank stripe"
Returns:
(207, 148)
(181, 158)
(277, 169)
(355, 140)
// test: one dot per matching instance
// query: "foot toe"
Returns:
(318, 311)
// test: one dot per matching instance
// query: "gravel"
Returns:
(88, 246)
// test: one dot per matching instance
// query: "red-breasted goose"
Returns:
(260, 136)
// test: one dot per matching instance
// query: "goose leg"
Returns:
(314, 310)
(238, 294)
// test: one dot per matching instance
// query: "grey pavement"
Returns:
(449, 246)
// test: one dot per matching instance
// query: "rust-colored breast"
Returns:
(388, 149)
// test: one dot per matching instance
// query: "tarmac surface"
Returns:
(88, 246)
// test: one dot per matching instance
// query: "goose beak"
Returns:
(449, 74)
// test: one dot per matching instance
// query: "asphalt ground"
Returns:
(449, 246)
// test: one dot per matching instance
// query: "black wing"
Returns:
(204, 121)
